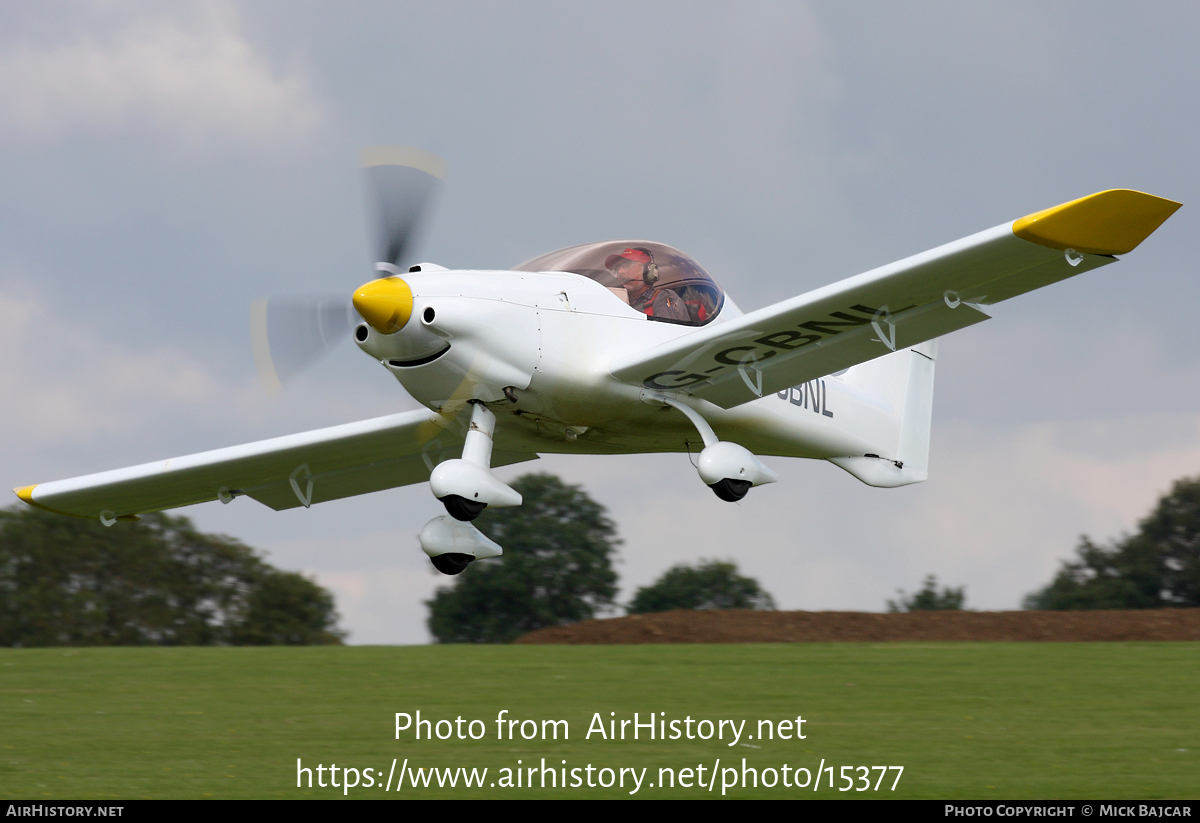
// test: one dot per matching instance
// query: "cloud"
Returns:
(198, 81)
(384, 605)
(69, 386)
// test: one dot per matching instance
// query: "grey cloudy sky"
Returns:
(165, 165)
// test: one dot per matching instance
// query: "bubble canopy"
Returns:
(658, 280)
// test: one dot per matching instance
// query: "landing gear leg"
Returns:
(726, 468)
(466, 486)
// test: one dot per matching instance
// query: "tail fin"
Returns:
(903, 381)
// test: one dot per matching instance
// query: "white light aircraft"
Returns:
(613, 348)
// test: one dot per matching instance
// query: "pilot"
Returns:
(636, 270)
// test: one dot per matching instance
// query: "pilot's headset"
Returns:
(649, 270)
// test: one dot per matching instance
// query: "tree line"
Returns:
(67, 581)
(1158, 566)
(557, 569)
(71, 581)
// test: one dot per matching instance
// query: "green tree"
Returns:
(1156, 567)
(556, 568)
(67, 581)
(287, 609)
(929, 599)
(711, 585)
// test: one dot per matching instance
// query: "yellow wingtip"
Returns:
(1107, 222)
(26, 495)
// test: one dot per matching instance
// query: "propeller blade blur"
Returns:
(291, 335)
(400, 182)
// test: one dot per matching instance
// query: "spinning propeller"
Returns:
(291, 334)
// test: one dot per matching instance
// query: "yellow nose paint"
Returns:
(386, 304)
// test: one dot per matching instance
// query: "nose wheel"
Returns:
(466, 486)
(452, 544)
(451, 563)
(460, 508)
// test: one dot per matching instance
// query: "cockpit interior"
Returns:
(660, 281)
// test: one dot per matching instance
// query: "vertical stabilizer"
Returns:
(904, 382)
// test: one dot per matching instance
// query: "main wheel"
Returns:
(451, 563)
(730, 490)
(460, 508)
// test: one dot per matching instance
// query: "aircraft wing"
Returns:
(284, 472)
(898, 305)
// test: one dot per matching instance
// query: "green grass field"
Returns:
(972, 720)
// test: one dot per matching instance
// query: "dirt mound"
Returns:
(741, 626)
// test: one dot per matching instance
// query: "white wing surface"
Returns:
(898, 305)
(284, 472)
